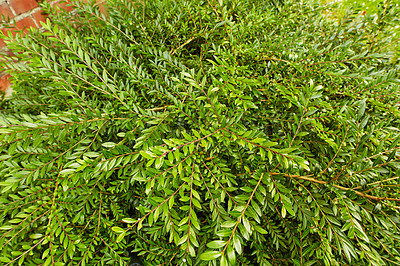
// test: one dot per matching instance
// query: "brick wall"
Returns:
(26, 14)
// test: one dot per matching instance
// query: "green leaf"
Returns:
(270, 155)
(283, 211)
(348, 250)
(147, 154)
(230, 252)
(28, 124)
(228, 224)
(92, 154)
(210, 255)
(262, 153)
(224, 261)
(48, 261)
(108, 144)
(182, 240)
(5, 131)
(149, 163)
(128, 220)
(45, 253)
(246, 224)
(5, 259)
(237, 244)
(35, 236)
(120, 237)
(216, 244)
(159, 162)
(333, 220)
(117, 229)
(260, 229)
(67, 171)
(361, 109)
(121, 134)
(287, 205)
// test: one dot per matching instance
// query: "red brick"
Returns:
(102, 8)
(5, 83)
(65, 5)
(5, 32)
(25, 24)
(2, 43)
(39, 16)
(6, 11)
(9, 53)
(21, 6)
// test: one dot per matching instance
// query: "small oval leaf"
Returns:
(210, 255)
(216, 244)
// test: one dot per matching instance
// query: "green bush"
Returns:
(201, 133)
(375, 14)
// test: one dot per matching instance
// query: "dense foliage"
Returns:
(202, 133)
(375, 12)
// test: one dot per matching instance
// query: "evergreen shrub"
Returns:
(195, 132)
